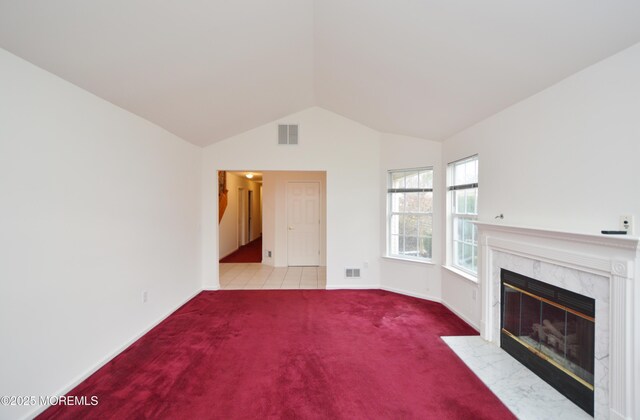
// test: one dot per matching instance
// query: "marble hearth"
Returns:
(601, 267)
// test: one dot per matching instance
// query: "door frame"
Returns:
(241, 222)
(321, 215)
(249, 211)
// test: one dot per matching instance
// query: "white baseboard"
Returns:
(459, 315)
(352, 286)
(412, 294)
(408, 293)
(107, 359)
(210, 289)
(433, 299)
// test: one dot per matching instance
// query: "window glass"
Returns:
(463, 196)
(410, 218)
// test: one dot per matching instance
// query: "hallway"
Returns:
(249, 253)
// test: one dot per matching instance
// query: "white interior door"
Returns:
(303, 227)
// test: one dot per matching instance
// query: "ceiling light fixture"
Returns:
(249, 176)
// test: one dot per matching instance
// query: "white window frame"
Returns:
(454, 216)
(390, 213)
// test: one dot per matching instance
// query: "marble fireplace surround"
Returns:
(602, 267)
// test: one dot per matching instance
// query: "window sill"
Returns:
(464, 275)
(408, 260)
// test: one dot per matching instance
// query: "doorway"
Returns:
(260, 212)
(286, 209)
(240, 224)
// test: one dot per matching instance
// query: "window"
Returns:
(410, 218)
(463, 205)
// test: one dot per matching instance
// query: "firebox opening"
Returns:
(551, 331)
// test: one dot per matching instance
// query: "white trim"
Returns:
(461, 273)
(617, 241)
(451, 217)
(39, 410)
(412, 294)
(468, 158)
(389, 213)
(611, 257)
(408, 260)
(461, 316)
(415, 295)
(351, 286)
(432, 299)
(79, 379)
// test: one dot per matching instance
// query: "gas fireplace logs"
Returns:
(550, 334)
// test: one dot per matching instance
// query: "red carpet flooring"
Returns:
(292, 354)
(249, 253)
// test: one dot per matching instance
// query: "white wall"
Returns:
(275, 214)
(97, 205)
(229, 225)
(350, 155)
(408, 277)
(566, 158)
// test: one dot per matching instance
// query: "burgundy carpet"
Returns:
(292, 354)
(249, 253)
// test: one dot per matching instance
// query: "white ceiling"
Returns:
(206, 70)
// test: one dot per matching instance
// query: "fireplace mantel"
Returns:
(614, 258)
(615, 241)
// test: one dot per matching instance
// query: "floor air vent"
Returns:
(288, 134)
(352, 272)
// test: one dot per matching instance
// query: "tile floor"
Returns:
(524, 393)
(260, 276)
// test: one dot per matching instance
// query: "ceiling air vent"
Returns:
(288, 134)
(352, 273)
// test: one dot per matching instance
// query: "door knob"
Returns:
(291, 228)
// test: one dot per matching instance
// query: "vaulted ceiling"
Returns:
(206, 70)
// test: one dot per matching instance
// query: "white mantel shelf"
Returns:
(618, 241)
(613, 259)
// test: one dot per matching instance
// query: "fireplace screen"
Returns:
(553, 326)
